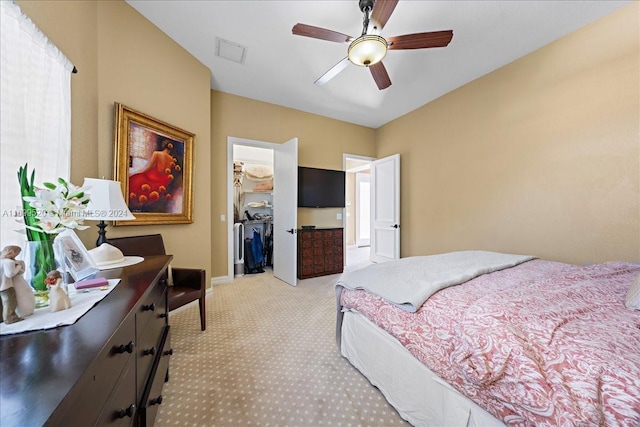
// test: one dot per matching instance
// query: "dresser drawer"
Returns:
(152, 396)
(153, 309)
(150, 326)
(120, 409)
(89, 395)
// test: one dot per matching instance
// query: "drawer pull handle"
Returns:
(168, 352)
(149, 307)
(163, 315)
(151, 351)
(125, 348)
(156, 401)
(127, 412)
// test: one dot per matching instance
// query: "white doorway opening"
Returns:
(357, 217)
(363, 209)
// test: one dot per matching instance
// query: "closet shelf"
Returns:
(259, 191)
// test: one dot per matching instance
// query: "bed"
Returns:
(478, 338)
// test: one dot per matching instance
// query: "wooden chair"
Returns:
(188, 283)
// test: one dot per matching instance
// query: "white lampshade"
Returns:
(367, 50)
(107, 203)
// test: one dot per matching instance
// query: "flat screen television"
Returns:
(320, 188)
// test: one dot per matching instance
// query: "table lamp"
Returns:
(106, 204)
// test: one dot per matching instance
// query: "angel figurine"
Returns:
(58, 298)
(12, 271)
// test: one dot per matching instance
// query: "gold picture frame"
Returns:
(154, 164)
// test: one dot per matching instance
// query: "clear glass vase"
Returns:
(40, 259)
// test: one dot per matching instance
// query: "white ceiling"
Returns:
(280, 68)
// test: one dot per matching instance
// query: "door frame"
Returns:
(231, 141)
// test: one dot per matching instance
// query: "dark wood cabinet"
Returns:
(320, 252)
(108, 368)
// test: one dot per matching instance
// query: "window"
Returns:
(35, 113)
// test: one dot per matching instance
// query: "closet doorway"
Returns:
(252, 209)
(262, 207)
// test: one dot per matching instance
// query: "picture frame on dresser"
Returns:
(154, 164)
(78, 262)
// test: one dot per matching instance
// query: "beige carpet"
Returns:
(267, 358)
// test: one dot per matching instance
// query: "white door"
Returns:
(285, 211)
(363, 209)
(385, 209)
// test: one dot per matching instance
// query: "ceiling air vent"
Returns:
(231, 51)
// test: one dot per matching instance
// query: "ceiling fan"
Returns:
(369, 49)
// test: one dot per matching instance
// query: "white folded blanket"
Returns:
(409, 282)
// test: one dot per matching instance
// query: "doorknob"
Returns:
(291, 231)
(395, 226)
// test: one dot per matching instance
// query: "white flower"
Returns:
(58, 207)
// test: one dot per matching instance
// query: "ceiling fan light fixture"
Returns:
(367, 50)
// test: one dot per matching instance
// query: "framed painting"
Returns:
(153, 162)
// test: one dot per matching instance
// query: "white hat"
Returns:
(105, 255)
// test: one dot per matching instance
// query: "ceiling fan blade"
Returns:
(320, 33)
(382, 10)
(333, 71)
(421, 40)
(380, 75)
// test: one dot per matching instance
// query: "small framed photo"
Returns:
(78, 261)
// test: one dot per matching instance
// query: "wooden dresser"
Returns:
(320, 252)
(108, 368)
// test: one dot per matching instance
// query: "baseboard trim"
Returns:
(220, 280)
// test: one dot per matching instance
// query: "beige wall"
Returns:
(321, 143)
(539, 157)
(122, 57)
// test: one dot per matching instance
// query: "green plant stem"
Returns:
(43, 254)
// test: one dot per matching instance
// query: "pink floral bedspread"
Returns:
(542, 343)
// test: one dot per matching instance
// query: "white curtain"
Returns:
(35, 113)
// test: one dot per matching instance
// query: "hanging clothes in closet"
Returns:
(268, 245)
(253, 252)
(257, 247)
(237, 191)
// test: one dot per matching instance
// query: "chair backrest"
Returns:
(148, 245)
